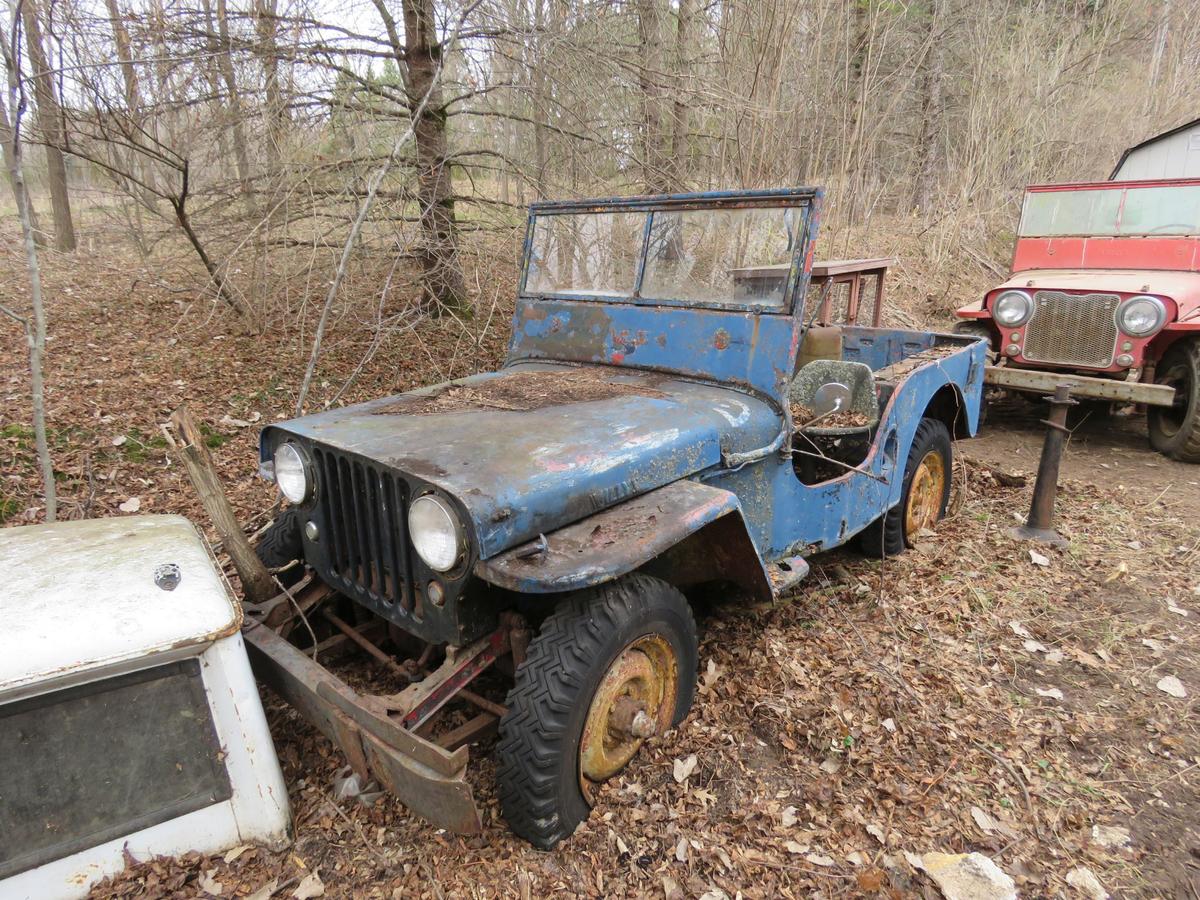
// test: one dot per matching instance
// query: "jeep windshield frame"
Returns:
(757, 249)
(1112, 209)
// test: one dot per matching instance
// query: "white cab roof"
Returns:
(81, 595)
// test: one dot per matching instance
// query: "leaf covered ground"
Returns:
(967, 696)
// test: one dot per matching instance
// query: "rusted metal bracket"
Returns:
(429, 779)
(1039, 526)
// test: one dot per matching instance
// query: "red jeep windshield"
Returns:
(1130, 211)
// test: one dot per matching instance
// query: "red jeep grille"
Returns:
(1072, 329)
(366, 530)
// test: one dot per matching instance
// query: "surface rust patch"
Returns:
(520, 392)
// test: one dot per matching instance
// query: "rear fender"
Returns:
(685, 532)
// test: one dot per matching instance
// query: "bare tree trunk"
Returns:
(39, 237)
(35, 333)
(680, 109)
(266, 24)
(124, 56)
(225, 65)
(929, 140)
(435, 190)
(654, 169)
(50, 123)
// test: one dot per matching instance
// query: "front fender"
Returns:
(687, 532)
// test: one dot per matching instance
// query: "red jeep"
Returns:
(1105, 295)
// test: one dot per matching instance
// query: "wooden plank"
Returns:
(257, 583)
(1035, 381)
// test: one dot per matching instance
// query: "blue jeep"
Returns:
(666, 421)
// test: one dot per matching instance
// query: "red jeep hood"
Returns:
(1182, 287)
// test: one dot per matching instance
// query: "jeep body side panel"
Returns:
(633, 534)
(788, 517)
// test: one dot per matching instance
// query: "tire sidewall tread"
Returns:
(538, 752)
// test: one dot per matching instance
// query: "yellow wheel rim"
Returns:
(635, 700)
(925, 494)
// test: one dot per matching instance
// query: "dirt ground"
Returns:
(970, 695)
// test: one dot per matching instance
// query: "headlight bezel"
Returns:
(1026, 303)
(1161, 315)
(456, 526)
(301, 458)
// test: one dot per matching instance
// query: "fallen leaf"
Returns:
(1084, 658)
(832, 765)
(709, 678)
(789, 816)
(1053, 693)
(985, 823)
(1086, 882)
(1175, 608)
(132, 505)
(793, 847)
(681, 850)
(264, 892)
(1037, 559)
(236, 852)
(1019, 630)
(311, 886)
(1156, 646)
(876, 832)
(818, 859)
(685, 767)
(1054, 656)
(1172, 685)
(208, 884)
(870, 881)
(1035, 646)
(1111, 837)
(1120, 570)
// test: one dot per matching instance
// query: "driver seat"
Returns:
(855, 375)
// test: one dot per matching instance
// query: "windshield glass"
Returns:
(740, 256)
(1112, 212)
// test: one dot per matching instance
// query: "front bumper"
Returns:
(1041, 382)
(426, 777)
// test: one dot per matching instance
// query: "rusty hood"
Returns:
(537, 446)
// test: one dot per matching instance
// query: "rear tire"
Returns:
(1175, 430)
(599, 647)
(280, 545)
(930, 466)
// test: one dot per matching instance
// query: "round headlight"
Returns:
(1012, 308)
(433, 529)
(291, 473)
(1140, 316)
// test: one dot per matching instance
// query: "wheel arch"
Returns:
(685, 533)
(948, 406)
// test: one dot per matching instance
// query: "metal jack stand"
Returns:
(1039, 525)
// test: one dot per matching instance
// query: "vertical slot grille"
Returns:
(366, 529)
